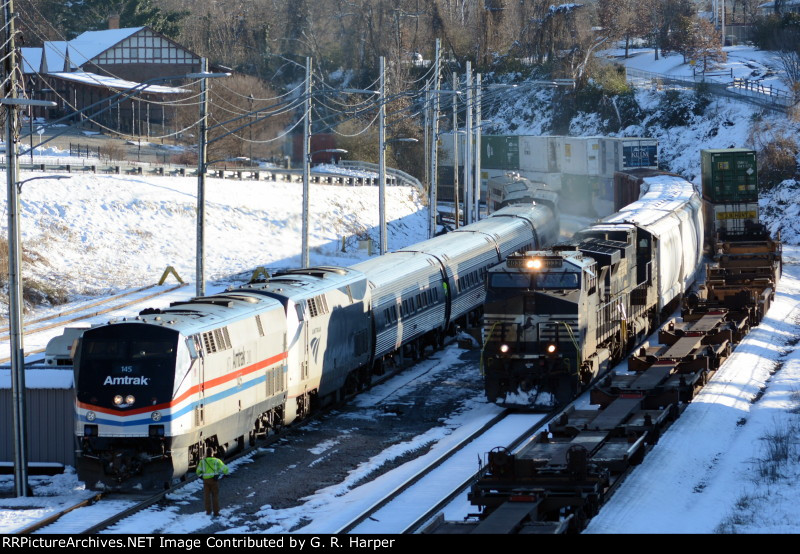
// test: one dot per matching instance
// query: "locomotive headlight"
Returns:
(535, 263)
(130, 399)
(551, 348)
(503, 348)
(118, 400)
(155, 416)
(90, 416)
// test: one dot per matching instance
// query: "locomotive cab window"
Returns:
(126, 360)
(558, 280)
(510, 281)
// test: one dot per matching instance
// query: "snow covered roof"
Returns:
(51, 57)
(76, 52)
(31, 59)
(91, 44)
(112, 82)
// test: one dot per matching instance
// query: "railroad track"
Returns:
(588, 453)
(447, 465)
(136, 502)
(81, 313)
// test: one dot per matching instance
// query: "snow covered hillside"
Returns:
(92, 233)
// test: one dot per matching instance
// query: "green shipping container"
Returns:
(729, 175)
(500, 152)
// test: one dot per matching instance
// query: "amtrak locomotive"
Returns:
(555, 319)
(153, 391)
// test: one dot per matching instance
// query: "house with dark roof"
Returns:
(96, 65)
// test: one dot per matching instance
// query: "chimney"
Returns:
(113, 21)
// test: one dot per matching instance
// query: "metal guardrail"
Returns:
(393, 176)
(743, 89)
(400, 177)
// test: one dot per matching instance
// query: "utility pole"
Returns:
(251, 126)
(306, 161)
(477, 195)
(455, 148)
(468, 213)
(433, 192)
(18, 390)
(425, 137)
(202, 158)
(382, 156)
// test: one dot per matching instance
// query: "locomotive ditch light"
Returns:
(118, 400)
(90, 416)
(504, 348)
(155, 416)
(551, 348)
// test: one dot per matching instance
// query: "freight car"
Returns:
(556, 319)
(153, 391)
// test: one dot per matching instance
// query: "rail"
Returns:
(369, 510)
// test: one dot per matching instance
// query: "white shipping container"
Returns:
(539, 154)
(581, 155)
(445, 149)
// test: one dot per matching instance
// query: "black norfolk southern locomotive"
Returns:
(556, 319)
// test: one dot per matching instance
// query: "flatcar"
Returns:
(555, 319)
(153, 391)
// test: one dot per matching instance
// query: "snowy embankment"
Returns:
(714, 470)
(92, 233)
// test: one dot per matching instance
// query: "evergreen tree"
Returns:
(74, 18)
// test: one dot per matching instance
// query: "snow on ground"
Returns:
(744, 62)
(713, 471)
(93, 233)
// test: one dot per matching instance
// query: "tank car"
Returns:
(555, 319)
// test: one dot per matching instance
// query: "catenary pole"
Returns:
(202, 158)
(306, 162)
(469, 216)
(477, 195)
(434, 193)
(382, 157)
(18, 390)
(456, 159)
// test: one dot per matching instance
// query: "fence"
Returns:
(741, 89)
(83, 150)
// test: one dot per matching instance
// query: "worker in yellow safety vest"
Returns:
(211, 469)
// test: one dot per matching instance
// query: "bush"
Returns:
(184, 158)
(776, 152)
(111, 152)
(777, 160)
(677, 108)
